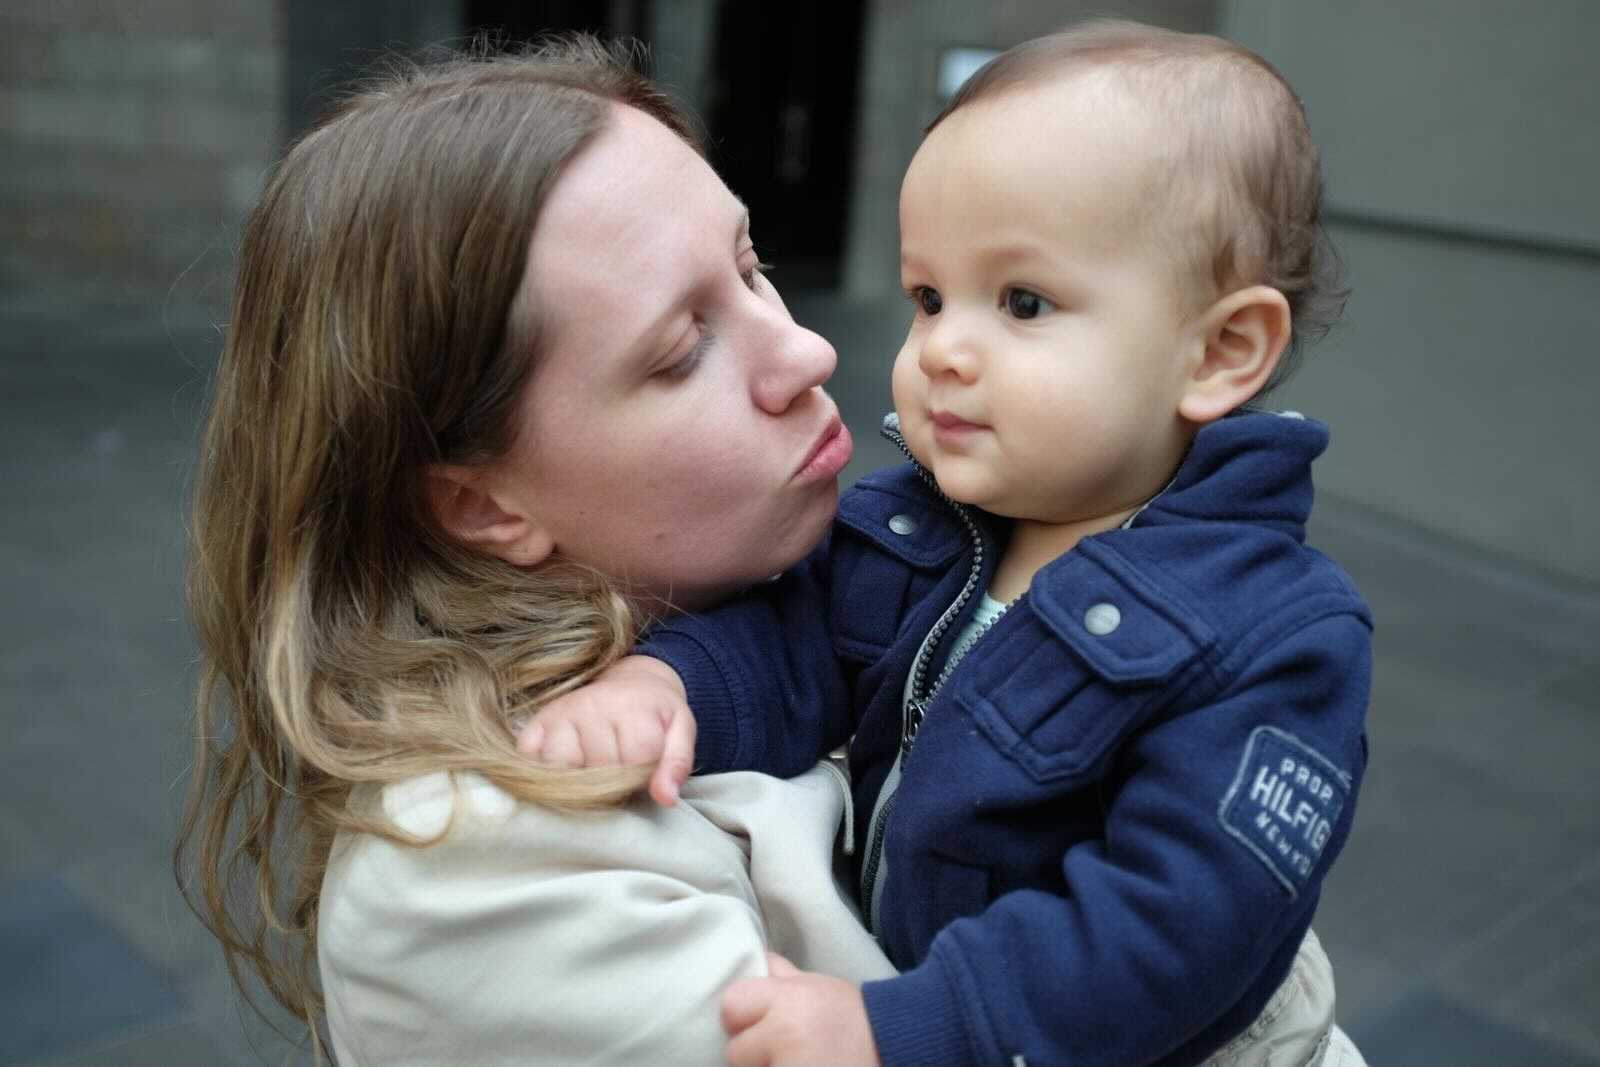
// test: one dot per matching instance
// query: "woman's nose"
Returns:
(799, 361)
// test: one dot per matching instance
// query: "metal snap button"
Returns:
(904, 525)
(1102, 619)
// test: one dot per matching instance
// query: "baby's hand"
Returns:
(635, 711)
(794, 1017)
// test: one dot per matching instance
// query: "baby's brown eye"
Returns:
(929, 301)
(1025, 305)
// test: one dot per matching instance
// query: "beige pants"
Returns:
(1296, 1028)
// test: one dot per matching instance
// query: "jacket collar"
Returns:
(1252, 466)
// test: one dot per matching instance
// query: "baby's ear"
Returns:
(467, 506)
(1243, 335)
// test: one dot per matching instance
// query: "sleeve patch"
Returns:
(1283, 804)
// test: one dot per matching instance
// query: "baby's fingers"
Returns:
(561, 744)
(745, 1003)
(677, 759)
(599, 739)
(530, 739)
(780, 967)
(640, 739)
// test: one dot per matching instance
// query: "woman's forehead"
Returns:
(633, 160)
(633, 225)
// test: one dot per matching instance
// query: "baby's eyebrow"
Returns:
(1010, 252)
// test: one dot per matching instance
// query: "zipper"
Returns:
(959, 653)
(922, 694)
(919, 694)
(874, 870)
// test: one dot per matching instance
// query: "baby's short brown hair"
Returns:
(1239, 187)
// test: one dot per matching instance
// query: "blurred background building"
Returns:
(1461, 143)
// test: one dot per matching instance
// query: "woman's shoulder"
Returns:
(464, 851)
(456, 830)
(520, 923)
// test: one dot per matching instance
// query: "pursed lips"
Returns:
(832, 450)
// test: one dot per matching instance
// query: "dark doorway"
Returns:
(782, 113)
(780, 94)
(527, 20)
(326, 45)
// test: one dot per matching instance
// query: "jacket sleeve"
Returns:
(1213, 854)
(767, 690)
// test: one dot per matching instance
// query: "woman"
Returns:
(502, 377)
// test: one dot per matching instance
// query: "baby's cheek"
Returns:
(910, 405)
(918, 435)
(906, 379)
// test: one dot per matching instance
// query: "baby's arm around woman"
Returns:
(782, 722)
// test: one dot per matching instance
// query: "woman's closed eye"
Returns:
(752, 277)
(678, 369)
(682, 367)
(1025, 303)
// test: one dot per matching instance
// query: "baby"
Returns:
(1105, 707)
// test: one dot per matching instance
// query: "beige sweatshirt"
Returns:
(526, 936)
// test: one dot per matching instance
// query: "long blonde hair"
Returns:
(375, 331)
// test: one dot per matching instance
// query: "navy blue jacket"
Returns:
(1111, 830)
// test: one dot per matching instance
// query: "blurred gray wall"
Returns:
(1461, 144)
(681, 43)
(326, 43)
(134, 135)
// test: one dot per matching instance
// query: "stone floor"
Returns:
(1463, 920)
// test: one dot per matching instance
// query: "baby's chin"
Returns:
(918, 435)
(952, 485)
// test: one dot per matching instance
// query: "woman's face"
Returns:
(674, 434)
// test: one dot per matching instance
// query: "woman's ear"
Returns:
(467, 507)
(1243, 334)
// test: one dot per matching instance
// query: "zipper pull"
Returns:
(911, 722)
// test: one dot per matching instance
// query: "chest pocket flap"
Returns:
(1100, 649)
(917, 530)
(891, 549)
(1126, 629)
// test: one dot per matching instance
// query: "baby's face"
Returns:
(1042, 373)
